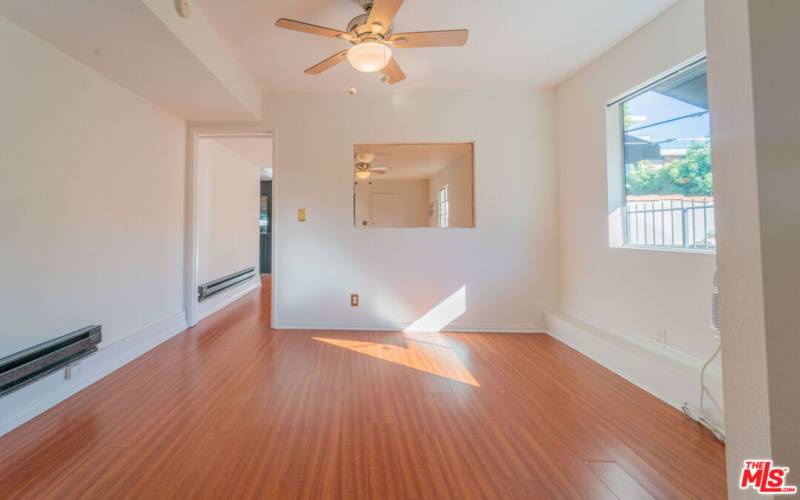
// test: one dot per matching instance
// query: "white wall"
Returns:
(414, 192)
(507, 264)
(91, 200)
(753, 95)
(228, 204)
(92, 190)
(631, 294)
(228, 211)
(458, 178)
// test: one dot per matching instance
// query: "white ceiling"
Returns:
(413, 161)
(519, 43)
(129, 43)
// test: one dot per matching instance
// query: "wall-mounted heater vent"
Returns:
(35, 362)
(211, 288)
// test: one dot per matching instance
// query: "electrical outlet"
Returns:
(661, 336)
(354, 300)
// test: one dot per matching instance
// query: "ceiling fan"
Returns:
(364, 168)
(373, 40)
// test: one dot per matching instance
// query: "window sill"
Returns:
(700, 251)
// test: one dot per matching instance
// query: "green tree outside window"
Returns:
(688, 176)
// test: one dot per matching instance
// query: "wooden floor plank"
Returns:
(619, 482)
(234, 409)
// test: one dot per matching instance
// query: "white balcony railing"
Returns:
(670, 222)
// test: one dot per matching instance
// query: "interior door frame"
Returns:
(195, 132)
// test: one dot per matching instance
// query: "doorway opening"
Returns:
(231, 231)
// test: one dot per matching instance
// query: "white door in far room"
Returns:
(387, 210)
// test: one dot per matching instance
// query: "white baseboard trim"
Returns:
(396, 327)
(664, 372)
(18, 407)
(214, 304)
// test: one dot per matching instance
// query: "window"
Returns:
(666, 193)
(444, 208)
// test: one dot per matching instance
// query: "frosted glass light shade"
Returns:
(369, 56)
(365, 157)
(362, 174)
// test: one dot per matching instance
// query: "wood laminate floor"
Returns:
(233, 409)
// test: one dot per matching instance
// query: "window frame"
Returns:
(615, 144)
(443, 200)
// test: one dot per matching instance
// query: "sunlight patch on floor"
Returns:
(424, 356)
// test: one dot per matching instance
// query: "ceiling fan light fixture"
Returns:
(373, 40)
(363, 174)
(365, 158)
(369, 57)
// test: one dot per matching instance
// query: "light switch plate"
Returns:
(301, 214)
(354, 300)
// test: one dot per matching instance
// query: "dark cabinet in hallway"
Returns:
(265, 228)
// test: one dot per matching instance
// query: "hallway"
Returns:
(233, 409)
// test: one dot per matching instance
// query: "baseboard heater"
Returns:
(35, 362)
(211, 288)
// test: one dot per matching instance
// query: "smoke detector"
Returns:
(184, 9)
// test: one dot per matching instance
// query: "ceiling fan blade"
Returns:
(447, 38)
(291, 24)
(327, 63)
(382, 14)
(381, 172)
(393, 72)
